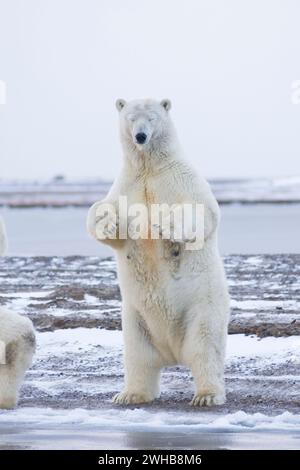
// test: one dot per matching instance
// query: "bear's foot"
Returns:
(208, 399)
(8, 403)
(128, 398)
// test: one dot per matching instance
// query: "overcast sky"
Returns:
(227, 66)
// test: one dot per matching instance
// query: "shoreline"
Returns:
(87, 204)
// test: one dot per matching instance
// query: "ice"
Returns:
(142, 420)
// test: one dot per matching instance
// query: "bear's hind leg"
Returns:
(19, 355)
(142, 363)
(8, 387)
(204, 353)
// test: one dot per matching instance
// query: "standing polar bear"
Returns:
(175, 300)
(17, 346)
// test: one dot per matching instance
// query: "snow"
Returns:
(72, 341)
(265, 304)
(269, 350)
(86, 347)
(28, 295)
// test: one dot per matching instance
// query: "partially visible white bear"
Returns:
(175, 301)
(17, 346)
(3, 238)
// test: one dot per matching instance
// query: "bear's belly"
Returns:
(148, 272)
(163, 323)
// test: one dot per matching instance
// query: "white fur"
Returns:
(17, 334)
(17, 345)
(175, 308)
(3, 238)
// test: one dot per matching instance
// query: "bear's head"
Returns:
(144, 123)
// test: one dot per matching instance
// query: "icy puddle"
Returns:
(34, 428)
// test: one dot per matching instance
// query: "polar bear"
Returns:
(17, 346)
(3, 238)
(175, 301)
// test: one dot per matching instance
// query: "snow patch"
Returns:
(265, 304)
(75, 340)
(275, 350)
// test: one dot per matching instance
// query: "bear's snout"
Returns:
(141, 137)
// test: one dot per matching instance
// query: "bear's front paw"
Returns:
(167, 231)
(102, 221)
(106, 227)
(173, 233)
(128, 398)
(208, 399)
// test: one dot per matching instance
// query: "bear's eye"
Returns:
(131, 117)
(152, 118)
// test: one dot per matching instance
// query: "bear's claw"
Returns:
(127, 398)
(209, 399)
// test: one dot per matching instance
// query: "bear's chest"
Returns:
(147, 255)
(153, 259)
(150, 190)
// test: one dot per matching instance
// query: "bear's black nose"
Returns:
(141, 137)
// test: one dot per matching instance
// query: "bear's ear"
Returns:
(120, 104)
(166, 104)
